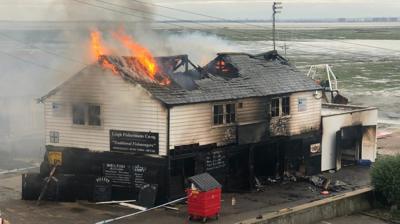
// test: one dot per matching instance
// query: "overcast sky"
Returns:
(232, 9)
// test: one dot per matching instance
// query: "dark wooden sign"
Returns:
(132, 141)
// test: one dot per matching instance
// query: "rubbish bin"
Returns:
(204, 197)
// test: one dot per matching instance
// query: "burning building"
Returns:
(159, 120)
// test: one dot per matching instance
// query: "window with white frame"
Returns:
(94, 115)
(275, 107)
(230, 113)
(280, 106)
(86, 114)
(218, 111)
(224, 114)
(285, 106)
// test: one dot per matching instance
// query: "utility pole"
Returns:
(275, 9)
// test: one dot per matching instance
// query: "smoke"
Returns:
(54, 51)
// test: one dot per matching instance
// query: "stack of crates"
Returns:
(204, 197)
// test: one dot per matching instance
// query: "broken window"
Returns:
(230, 113)
(94, 115)
(54, 137)
(78, 114)
(218, 114)
(275, 107)
(285, 106)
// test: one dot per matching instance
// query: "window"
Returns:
(54, 137)
(78, 114)
(94, 115)
(224, 114)
(275, 107)
(230, 113)
(302, 104)
(86, 114)
(218, 114)
(285, 106)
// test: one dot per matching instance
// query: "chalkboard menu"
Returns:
(131, 141)
(138, 172)
(126, 175)
(119, 174)
(215, 160)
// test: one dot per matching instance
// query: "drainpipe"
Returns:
(168, 155)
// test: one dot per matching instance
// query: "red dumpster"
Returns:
(204, 197)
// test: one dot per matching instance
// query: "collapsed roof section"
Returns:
(230, 76)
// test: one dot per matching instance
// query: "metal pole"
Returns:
(273, 24)
(275, 6)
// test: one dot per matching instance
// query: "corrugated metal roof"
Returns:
(204, 182)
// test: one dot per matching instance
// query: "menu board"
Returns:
(215, 160)
(138, 172)
(132, 141)
(125, 175)
(119, 174)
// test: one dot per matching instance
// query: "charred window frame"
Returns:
(94, 115)
(285, 106)
(230, 113)
(275, 107)
(78, 114)
(218, 112)
(86, 114)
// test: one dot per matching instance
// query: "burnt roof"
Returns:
(249, 76)
(256, 76)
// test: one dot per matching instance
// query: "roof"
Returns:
(329, 109)
(250, 76)
(204, 182)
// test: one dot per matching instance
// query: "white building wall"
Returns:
(192, 124)
(333, 123)
(123, 107)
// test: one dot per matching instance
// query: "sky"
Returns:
(55, 10)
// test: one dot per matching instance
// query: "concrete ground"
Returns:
(248, 205)
(353, 219)
(275, 197)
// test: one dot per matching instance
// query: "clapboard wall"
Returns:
(308, 119)
(192, 124)
(123, 107)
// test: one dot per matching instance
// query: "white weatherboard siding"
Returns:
(192, 124)
(333, 123)
(123, 107)
(307, 120)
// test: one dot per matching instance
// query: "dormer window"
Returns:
(221, 66)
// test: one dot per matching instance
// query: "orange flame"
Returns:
(143, 62)
(146, 64)
(99, 50)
